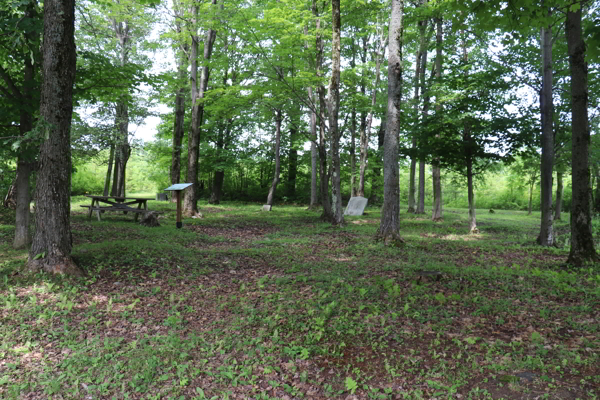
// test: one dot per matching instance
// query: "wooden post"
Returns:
(179, 223)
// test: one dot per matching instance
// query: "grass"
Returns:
(246, 304)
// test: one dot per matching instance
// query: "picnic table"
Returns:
(113, 203)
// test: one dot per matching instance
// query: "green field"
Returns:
(246, 304)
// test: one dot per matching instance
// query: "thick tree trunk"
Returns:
(271, 196)
(190, 200)
(436, 172)
(217, 187)
(596, 200)
(52, 242)
(559, 196)
(123, 148)
(421, 197)
(471, 197)
(179, 120)
(546, 237)
(109, 169)
(333, 105)
(114, 191)
(390, 214)
(582, 241)
(425, 112)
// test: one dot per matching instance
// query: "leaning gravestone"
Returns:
(356, 206)
(150, 219)
(266, 207)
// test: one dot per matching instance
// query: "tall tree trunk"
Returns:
(123, 148)
(468, 151)
(25, 161)
(546, 237)
(596, 200)
(292, 163)
(52, 242)
(366, 132)
(436, 172)
(215, 196)
(425, 113)
(530, 207)
(179, 120)
(190, 200)
(333, 105)
(559, 196)
(374, 198)
(413, 160)
(109, 169)
(271, 196)
(582, 241)
(390, 214)
(353, 183)
(313, 152)
(322, 147)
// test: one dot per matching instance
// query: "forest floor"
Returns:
(244, 304)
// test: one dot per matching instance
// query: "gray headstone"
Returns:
(266, 207)
(356, 206)
(162, 197)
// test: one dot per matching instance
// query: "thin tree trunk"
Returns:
(353, 183)
(546, 237)
(390, 214)
(374, 198)
(530, 197)
(313, 153)
(366, 133)
(215, 196)
(322, 148)
(25, 162)
(559, 196)
(190, 200)
(109, 169)
(468, 151)
(333, 104)
(52, 242)
(179, 120)
(271, 196)
(413, 161)
(436, 172)
(596, 200)
(582, 241)
(292, 163)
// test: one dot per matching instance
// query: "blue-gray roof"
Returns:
(179, 186)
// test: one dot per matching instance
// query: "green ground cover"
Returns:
(246, 304)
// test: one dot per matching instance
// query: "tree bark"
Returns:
(436, 172)
(109, 169)
(546, 237)
(25, 160)
(390, 214)
(179, 120)
(190, 200)
(271, 196)
(413, 161)
(374, 198)
(582, 241)
(468, 152)
(333, 105)
(353, 183)
(313, 153)
(292, 164)
(559, 196)
(366, 132)
(531, 184)
(52, 242)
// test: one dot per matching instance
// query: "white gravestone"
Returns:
(356, 206)
(266, 207)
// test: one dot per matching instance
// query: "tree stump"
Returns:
(150, 219)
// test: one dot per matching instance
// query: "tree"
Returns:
(52, 242)
(23, 21)
(390, 214)
(190, 204)
(582, 241)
